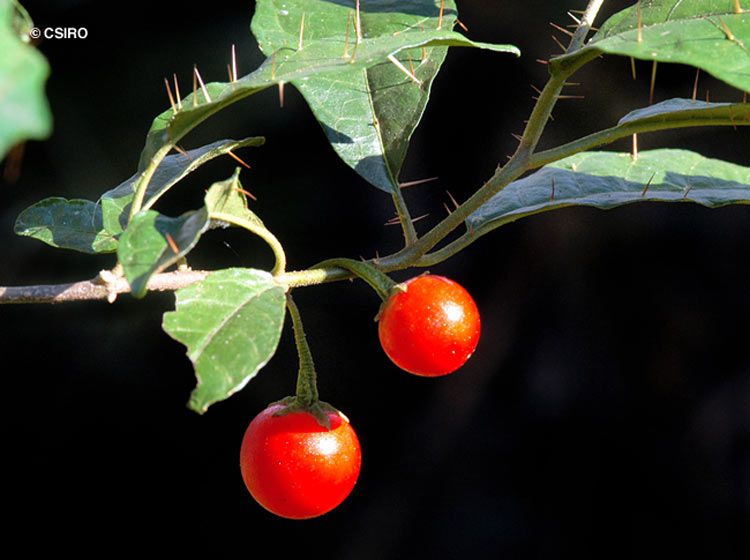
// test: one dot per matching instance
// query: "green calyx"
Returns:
(319, 410)
(378, 281)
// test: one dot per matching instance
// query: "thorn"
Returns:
(731, 119)
(516, 136)
(346, 40)
(404, 69)
(358, 23)
(632, 68)
(453, 200)
(273, 66)
(571, 97)
(653, 84)
(281, 94)
(229, 72)
(238, 159)
(687, 191)
(301, 32)
(562, 29)
(708, 96)
(440, 16)
(729, 35)
(540, 61)
(246, 193)
(234, 63)
(536, 89)
(737, 8)
(645, 189)
(181, 151)
(634, 153)
(203, 86)
(571, 84)
(418, 218)
(695, 84)
(172, 244)
(417, 182)
(574, 18)
(177, 91)
(552, 194)
(640, 21)
(195, 90)
(411, 66)
(462, 26)
(447, 209)
(171, 97)
(559, 44)
(579, 12)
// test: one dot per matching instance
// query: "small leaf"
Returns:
(24, 111)
(607, 180)
(708, 34)
(66, 224)
(227, 198)
(231, 324)
(154, 242)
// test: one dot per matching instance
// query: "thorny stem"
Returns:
(416, 252)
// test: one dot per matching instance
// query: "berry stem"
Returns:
(307, 387)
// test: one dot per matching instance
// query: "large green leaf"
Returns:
(24, 112)
(323, 54)
(368, 112)
(231, 323)
(91, 227)
(708, 34)
(67, 224)
(154, 242)
(607, 179)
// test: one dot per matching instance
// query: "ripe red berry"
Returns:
(296, 468)
(429, 326)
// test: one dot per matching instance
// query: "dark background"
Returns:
(606, 412)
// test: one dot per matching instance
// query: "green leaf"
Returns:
(607, 180)
(322, 55)
(116, 202)
(67, 224)
(24, 111)
(226, 198)
(368, 112)
(154, 242)
(91, 227)
(708, 34)
(689, 111)
(231, 324)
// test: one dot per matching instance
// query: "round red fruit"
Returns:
(429, 326)
(296, 468)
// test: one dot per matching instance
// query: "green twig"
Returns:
(260, 231)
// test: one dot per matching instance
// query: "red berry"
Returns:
(429, 326)
(296, 468)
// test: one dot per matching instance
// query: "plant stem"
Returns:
(407, 224)
(377, 280)
(307, 387)
(260, 231)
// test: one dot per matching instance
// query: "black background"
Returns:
(605, 413)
